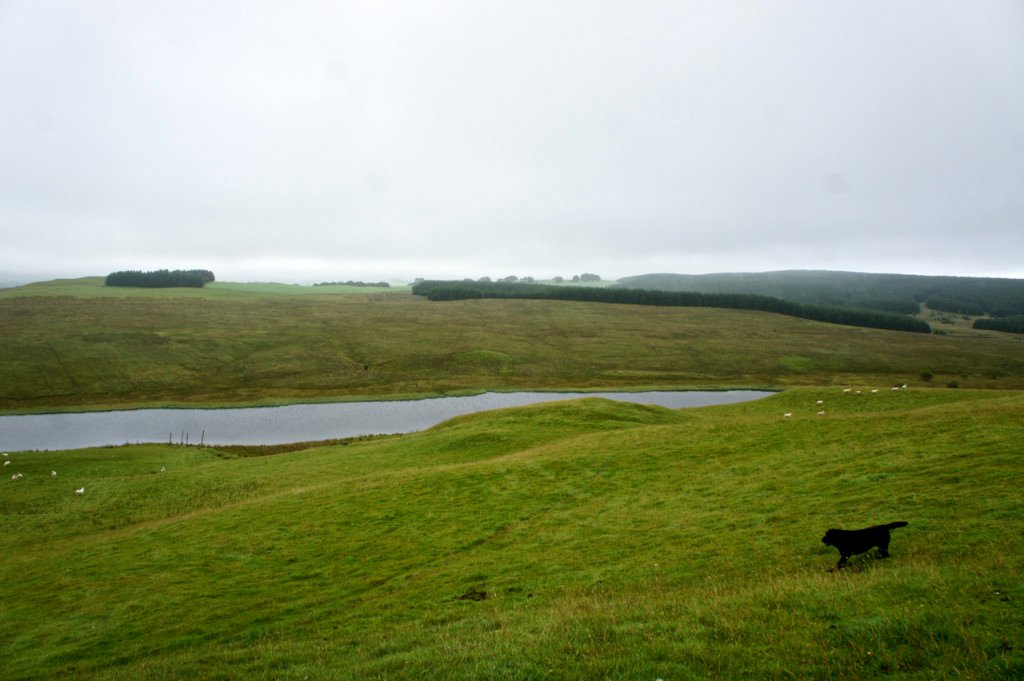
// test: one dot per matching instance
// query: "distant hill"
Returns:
(888, 292)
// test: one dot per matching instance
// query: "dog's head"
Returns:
(829, 538)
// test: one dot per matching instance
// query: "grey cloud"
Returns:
(406, 139)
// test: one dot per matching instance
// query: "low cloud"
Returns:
(390, 141)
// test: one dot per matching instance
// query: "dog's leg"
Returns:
(883, 547)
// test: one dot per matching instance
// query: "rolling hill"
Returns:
(889, 292)
(83, 345)
(577, 540)
(571, 540)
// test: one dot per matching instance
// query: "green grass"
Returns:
(78, 344)
(611, 540)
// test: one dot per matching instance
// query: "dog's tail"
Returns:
(898, 523)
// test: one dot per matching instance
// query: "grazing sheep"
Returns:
(162, 469)
(821, 413)
(847, 390)
(14, 477)
(788, 414)
(874, 390)
(819, 402)
(80, 491)
(53, 474)
(7, 463)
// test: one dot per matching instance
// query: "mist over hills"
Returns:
(890, 292)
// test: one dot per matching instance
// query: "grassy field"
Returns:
(76, 344)
(577, 540)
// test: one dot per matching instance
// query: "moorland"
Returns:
(79, 344)
(585, 539)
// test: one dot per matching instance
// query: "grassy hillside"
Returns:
(873, 319)
(576, 540)
(91, 346)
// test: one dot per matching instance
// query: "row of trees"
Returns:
(887, 292)
(457, 290)
(376, 284)
(994, 297)
(954, 305)
(1008, 324)
(513, 279)
(161, 278)
(897, 305)
(510, 279)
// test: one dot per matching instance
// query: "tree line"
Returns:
(875, 319)
(1007, 324)
(902, 293)
(974, 296)
(161, 278)
(377, 284)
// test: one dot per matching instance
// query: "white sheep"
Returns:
(14, 477)
(163, 469)
(874, 390)
(53, 474)
(788, 414)
(7, 463)
(820, 402)
(847, 390)
(80, 491)
(821, 413)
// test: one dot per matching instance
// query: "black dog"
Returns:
(851, 542)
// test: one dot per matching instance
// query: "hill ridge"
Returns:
(997, 296)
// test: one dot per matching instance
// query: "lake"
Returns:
(297, 422)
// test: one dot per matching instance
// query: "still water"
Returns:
(298, 422)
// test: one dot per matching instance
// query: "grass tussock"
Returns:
(594, 539)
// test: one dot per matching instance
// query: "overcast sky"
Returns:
(310, 141)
